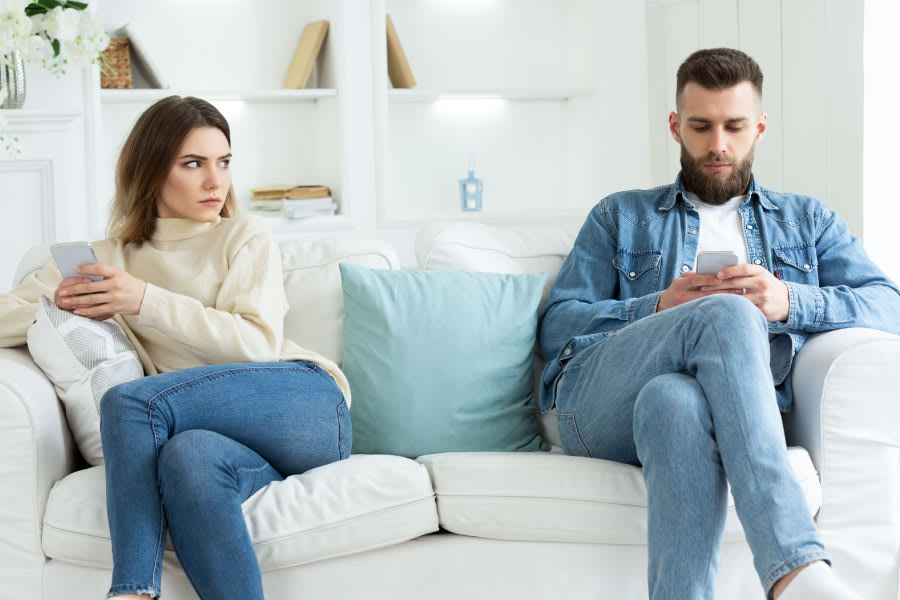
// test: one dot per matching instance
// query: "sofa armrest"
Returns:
(36, 450)
(846, 413)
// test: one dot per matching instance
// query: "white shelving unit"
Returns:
(513, 84)
(278, 136)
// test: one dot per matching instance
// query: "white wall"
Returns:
(810, 52)
(881, 133)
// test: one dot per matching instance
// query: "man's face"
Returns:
(718, 131)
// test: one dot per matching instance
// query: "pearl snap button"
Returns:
(692, 230)
(806, 267)
(632, 274)
(749, 226)
(757, 262)
(567, 351)
(685, 268)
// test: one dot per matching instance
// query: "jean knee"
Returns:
(116, 401)
(731, 311)
(669, 410)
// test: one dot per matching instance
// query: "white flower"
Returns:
(15, 26)
(59, 24)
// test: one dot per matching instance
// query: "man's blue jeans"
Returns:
(188, 447)
(688, 394)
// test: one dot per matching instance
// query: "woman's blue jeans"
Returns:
(688, 394)
(186, 448)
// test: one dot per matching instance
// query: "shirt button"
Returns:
(632, 274)
(692, 230)
(757, 262)
(685, 268)
(806, 267)
(567, 351)
(749, 226)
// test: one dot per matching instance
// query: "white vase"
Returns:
(12, 81)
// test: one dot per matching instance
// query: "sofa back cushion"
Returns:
(312, 282)
(478, 247)
(440, 361)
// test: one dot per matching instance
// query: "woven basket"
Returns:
(118, 75)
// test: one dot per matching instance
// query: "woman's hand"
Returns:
(117, 293)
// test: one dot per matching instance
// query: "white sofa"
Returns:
(512, 525)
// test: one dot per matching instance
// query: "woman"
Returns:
(229, 405)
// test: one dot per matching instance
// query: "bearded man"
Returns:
(653, 364)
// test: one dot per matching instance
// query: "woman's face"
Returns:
(199, 178)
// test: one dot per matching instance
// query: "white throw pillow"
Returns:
(83, 358)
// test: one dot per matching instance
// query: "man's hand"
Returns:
(685, 288)
(769, 294)
(118, 292)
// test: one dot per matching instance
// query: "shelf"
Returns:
(273, 95)
(404, 95)
(281, 225)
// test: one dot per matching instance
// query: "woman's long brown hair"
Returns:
(147, 157)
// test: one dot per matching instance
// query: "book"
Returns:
(301, 213)
(274, 192)
(145, 72)
(282, 204)
(398, 67)
(311, 41)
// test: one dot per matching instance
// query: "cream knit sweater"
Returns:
(214, 295)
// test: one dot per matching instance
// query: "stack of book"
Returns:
(293, 201)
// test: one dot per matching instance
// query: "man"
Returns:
(652, 363)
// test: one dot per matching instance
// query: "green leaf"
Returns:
(34, 9)
(55, 45)
(48, 4)
(75, 5)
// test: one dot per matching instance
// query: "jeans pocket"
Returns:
(568, 432)
(345, 430)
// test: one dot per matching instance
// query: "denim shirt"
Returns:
(635, 243)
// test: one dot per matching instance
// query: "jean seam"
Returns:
(161, 535)
(573, 427)
(741, 427)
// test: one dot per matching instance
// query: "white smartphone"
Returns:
(71, 255)
(711, 262)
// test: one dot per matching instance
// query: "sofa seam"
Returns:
(382, 255)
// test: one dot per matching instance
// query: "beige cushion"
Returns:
(542, 496)
(357, 504)
(312, 283)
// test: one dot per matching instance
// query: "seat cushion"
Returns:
(542, 496)
(358, 504)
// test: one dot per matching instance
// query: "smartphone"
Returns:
(711, 262)
(71, 255)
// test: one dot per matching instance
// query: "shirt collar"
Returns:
(677, 191)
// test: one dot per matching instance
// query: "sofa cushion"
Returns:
(313, 287)
(478, 247)
(542, 496)
(357, 504)
(440, 361)
(83, 358)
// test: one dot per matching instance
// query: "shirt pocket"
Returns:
(797, 263)
(638, 272)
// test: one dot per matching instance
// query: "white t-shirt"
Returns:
(721, 227)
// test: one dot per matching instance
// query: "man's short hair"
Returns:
(718, 69)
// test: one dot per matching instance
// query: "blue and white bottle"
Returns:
(470, 189)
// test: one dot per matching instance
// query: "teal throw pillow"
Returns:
(440, 361)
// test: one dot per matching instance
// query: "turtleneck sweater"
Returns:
(215, 294)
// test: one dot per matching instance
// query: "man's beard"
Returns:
(713, 188)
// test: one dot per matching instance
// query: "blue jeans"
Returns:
(688, 394)
(188, 447)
